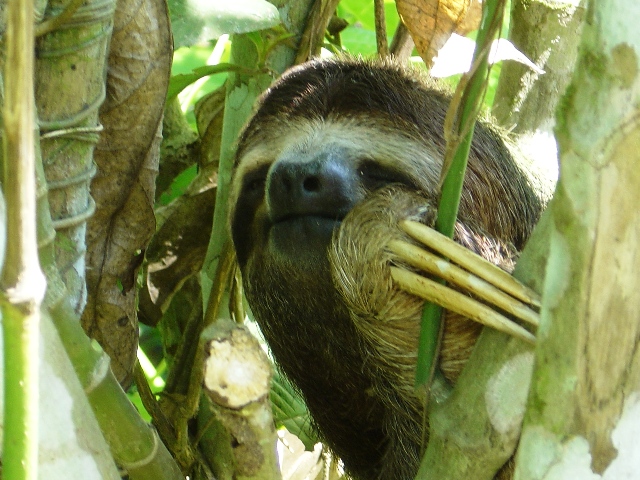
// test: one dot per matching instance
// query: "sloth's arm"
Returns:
(493, 290)
(384, 288)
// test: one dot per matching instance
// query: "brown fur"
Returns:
(333, 319)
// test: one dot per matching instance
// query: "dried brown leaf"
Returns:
(127, 159)
(431, 22)
(179, 248)
(472, 17)
(209, 111)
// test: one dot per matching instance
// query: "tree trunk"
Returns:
(584, 405)
(547, 32)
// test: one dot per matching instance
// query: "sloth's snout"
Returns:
(324, 188)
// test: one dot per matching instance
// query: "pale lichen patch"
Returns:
(506, 393)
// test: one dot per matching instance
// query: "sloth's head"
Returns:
(329, 133)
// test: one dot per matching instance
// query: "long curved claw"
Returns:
(455, 275)
(457, 302)
(477, 276)
(470, 261)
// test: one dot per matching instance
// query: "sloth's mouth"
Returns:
(319, 217)
(296, 235)
(308, 226)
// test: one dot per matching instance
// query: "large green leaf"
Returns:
(195, 21)
(290, 410)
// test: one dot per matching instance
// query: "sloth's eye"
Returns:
(374, 176)
(254, 181)
(255, 184)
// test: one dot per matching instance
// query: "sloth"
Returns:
(338, 153)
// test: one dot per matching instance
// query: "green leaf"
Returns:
(471, 101)
(290, 410)
(181, 81)
(194, 21)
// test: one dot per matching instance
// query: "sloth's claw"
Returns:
(457, 302)
(477, 276)
(470, 261)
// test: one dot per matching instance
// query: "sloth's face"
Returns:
(292, 191)
(329, 133)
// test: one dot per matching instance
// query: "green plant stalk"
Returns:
(472, 97)
(257, 57)
(20, 446)
(134, 444)
(179, 82)
(243, 87)
(23, 283)
(242, 91)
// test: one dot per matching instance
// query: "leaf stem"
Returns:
(459, 138)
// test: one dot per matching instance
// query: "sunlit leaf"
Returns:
(455, 57)
(194, 21)
(298, 462)
(181, 81)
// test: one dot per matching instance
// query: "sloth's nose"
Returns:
(321, 187)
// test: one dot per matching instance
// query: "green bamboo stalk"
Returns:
(244, 86)
(23, 283)
(134, 444)
(242, 91)
(462, 132)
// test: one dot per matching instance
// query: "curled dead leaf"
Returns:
(431, 22)
(123, 189)
(179, 247)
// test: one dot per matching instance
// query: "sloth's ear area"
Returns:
(492, 289)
